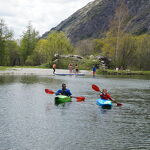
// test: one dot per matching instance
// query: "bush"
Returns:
(87, 64)
(29, 61)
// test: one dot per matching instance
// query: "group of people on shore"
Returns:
(75, 69)
(72, 68)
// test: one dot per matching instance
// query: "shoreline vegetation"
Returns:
(115, 48)
(121, 72)
(99, 71)
(122, 50)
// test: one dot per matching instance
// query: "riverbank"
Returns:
(34, 71)
(122, 72)
(44, 71)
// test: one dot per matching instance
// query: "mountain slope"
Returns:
(93, 20)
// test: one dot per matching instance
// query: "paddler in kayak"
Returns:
(106, 96)
(64, 91)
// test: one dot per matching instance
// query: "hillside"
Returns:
(93, 20)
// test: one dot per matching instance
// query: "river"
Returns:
(29, 119)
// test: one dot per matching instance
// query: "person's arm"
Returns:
(58, 92)
(110, 98)
(118, 104)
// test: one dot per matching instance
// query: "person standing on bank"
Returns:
(70, 67)
(94, 70)
(54, 68)
(76, 69)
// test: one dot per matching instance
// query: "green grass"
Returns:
(29, 67)
(3, 68)
(122, 72)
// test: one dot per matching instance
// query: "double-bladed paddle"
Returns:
(78, 99)
(97, 89)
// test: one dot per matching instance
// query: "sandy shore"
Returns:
(36, 71)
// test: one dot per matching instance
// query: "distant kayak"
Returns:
(105, 104)
(62, 99)
(70, 74)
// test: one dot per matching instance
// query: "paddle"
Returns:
(78, 99)
(97, 89)
(49, 91)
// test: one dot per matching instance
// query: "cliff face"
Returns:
(93, 20)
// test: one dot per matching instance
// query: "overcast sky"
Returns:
(43, 14)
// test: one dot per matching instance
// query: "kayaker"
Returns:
(63, 91)
(105, 95)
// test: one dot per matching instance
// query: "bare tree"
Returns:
(85, 47)
(118, 24)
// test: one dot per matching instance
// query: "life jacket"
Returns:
(105, 96)
(64, 92)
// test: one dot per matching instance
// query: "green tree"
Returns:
(28, 42)
(127, 51)
(12, 53)
(45, 50)
(39, 56)
(108, 47)
(142, 60)
(57, 43)
(5, 35)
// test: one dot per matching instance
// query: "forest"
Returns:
(123, 49)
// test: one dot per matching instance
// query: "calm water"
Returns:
(29, 119)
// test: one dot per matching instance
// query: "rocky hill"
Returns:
(93, 20)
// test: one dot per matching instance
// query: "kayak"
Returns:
(62, 99)
(105, 104)
(70, 74)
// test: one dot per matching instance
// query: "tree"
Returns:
(117, 27)
(58, 43)
(85, 47)
(28, 42)
(39, 55)
(142, 60)
(127, 51)
(12, 53)
(5, 34)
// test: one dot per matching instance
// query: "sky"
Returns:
(42, 14)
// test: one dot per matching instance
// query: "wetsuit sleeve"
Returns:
(59, 91)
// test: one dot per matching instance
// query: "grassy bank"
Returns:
(122, 72)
